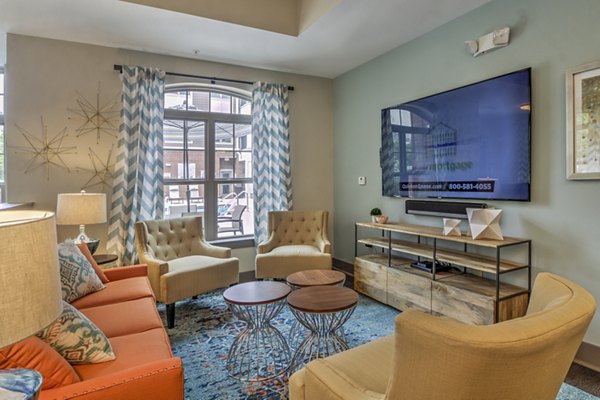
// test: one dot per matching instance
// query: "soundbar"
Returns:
(448, 209)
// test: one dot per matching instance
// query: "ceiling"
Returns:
(328, 42)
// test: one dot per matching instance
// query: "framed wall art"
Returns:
(583, 121)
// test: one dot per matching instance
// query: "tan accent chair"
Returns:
(180, 263)
(431, 357)
(297, 241)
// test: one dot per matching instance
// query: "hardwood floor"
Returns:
(584, 379)
(579, 376)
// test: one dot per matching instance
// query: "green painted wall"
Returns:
(563, 218)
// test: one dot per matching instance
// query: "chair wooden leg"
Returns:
(171, 315)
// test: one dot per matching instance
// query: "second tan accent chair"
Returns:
(432, 357)
(181, 263)
(297, 241)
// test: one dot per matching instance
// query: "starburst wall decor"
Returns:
(102, 172)
(98, 117)
(45, 152)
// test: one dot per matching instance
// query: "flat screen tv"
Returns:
(473, 142)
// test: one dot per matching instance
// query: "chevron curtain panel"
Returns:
(271, 172)
(138, 183)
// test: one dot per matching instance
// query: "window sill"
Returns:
(234, 243)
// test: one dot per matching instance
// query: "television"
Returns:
(473, 142)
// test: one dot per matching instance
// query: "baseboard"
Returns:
(588, 356)
(343, 266)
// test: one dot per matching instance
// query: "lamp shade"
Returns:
(81, 208)
(30, 289)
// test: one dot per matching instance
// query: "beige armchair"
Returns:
(431, 357)
(297, 241)
(180, 263)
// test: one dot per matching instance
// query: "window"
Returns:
(2, 158)
(207, 155)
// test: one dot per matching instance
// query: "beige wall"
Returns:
(44, 77)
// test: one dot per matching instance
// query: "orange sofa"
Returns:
(145, 367)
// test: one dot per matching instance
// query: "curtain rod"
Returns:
(212, 79)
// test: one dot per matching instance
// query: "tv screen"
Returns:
(472, 142)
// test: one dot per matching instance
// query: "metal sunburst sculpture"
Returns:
(45, 152)
(102, 172)
(99, 117)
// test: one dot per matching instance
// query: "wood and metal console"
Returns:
(471, 292)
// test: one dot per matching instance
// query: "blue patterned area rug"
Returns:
(205, 330)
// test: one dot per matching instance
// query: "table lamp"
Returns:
(30, 289)
(82, 209)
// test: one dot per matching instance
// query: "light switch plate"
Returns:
(362, 180)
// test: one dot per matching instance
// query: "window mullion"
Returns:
(210, 198)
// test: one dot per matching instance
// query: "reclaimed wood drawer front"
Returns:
(472, 299)
(408, 290)
(461, 304)
(370, 278)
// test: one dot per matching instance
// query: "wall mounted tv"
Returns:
(472, 142)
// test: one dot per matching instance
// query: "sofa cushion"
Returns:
(88, 256)
(116, 292)
(76, 338)
(131, 350)
(33, 353)
(77, 276)
(125, 318)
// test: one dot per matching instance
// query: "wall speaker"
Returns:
(448, 209)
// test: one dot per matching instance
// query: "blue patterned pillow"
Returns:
(77, 275)
(76, 338)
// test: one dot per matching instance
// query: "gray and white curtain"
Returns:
(138, 182)
(271, 173)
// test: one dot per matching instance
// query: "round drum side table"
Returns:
(323, 310)
(259, 351)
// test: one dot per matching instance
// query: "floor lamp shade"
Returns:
(30, 291)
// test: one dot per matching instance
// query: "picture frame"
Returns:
(583, 121)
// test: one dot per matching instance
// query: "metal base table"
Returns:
(323, 311)
(259, 351)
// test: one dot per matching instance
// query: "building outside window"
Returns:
(207, 158)
(2, 144)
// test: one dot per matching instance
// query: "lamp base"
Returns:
(20, 384)
(91, 243)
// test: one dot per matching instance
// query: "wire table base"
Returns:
(325, 336)
(259, 351)
(298, 332)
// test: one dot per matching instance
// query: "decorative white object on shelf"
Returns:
(485, 223)
(452, 227)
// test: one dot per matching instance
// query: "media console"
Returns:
(472, 292)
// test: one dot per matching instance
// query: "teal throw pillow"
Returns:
(77, 275)
(76, 338)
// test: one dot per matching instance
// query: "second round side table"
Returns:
(308, 278)
(259, 351)
(322, 310)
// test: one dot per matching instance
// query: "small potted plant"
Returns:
(375, 212)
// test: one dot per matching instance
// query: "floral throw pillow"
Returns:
(76, 338)
(77, 275)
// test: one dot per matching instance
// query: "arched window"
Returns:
(207, 156)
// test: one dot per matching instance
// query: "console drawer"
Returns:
(370, 276)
